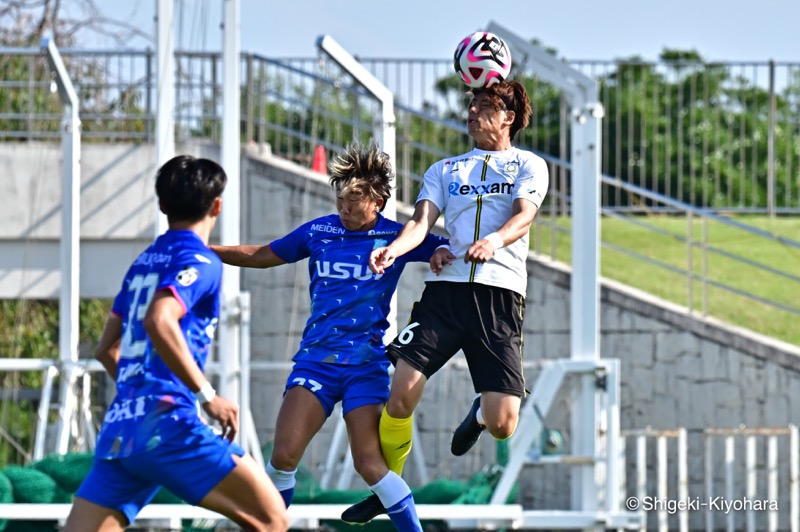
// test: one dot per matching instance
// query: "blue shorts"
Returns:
(189, 465)
(353, 385)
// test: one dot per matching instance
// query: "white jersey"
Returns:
(475, 191)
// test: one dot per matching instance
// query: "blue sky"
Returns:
(733, 30)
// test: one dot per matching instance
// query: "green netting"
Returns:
(6, 496)
(502, 452)
(32, 486)
(55, 478)
(67, 470)
(439, 491)
(6, 489)
(32, 526)
(481, 487)
(164, 496)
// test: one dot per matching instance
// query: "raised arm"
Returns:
(411, 236)
(248, 256)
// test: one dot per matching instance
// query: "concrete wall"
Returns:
(117, 212)
(677, 369)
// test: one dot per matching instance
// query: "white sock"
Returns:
(283, 480)
(391, 489)
(479, 417)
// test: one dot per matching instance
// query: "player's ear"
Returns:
(161, 206)
(216, 207)
(510, 116)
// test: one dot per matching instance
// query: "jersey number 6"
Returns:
(407, 334)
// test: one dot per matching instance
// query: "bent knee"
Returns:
(283, 460)
(502, 429)
(400, 407)
(371, 469)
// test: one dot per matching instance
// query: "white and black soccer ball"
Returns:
(482, 59)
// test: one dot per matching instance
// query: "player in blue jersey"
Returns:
(154, 345)
(342, 354)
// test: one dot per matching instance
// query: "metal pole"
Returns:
(385, 133)
(581, 93)
(68, 309)
(771, 143)
(794, 479)
(43, 413)
(585, 294)
(165, 95)
(230, 231)
(386, 137)
(615, 467)
(683, 478)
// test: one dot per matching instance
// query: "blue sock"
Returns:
(284, 481)
(287, 495)
(396, 497)
(404, 515)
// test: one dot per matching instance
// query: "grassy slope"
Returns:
(652, 254)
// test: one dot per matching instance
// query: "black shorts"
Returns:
(483, 321)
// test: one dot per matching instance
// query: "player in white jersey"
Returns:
(474, 298)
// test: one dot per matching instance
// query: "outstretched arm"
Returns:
(248, 256)
(411, 236)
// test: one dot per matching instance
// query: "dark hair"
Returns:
(187, 187)
(366, 169)
(510, 95)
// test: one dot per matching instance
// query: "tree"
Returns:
(693, 131)
(23, 23)
(26, 22)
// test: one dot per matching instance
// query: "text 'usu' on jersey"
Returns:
(349, 303)
(151, 400)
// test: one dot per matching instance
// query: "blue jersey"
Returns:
(349, 303)
(152, 403)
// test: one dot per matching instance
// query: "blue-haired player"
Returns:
(154, 344)
(342, 354)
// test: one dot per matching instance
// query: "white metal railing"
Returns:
(75, 413)
(752, 491)
(769, 439)
(305, 516)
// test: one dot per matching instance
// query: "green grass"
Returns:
(651, 253)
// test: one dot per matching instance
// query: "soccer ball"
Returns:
(482, 59)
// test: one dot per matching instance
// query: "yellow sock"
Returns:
(395, 434)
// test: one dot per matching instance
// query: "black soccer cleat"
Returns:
(364, 511)
(467, 434)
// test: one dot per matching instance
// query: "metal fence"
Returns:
(714, 479)
(717, 135)
(665, 150)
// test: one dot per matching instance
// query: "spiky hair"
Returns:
(365, 170)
